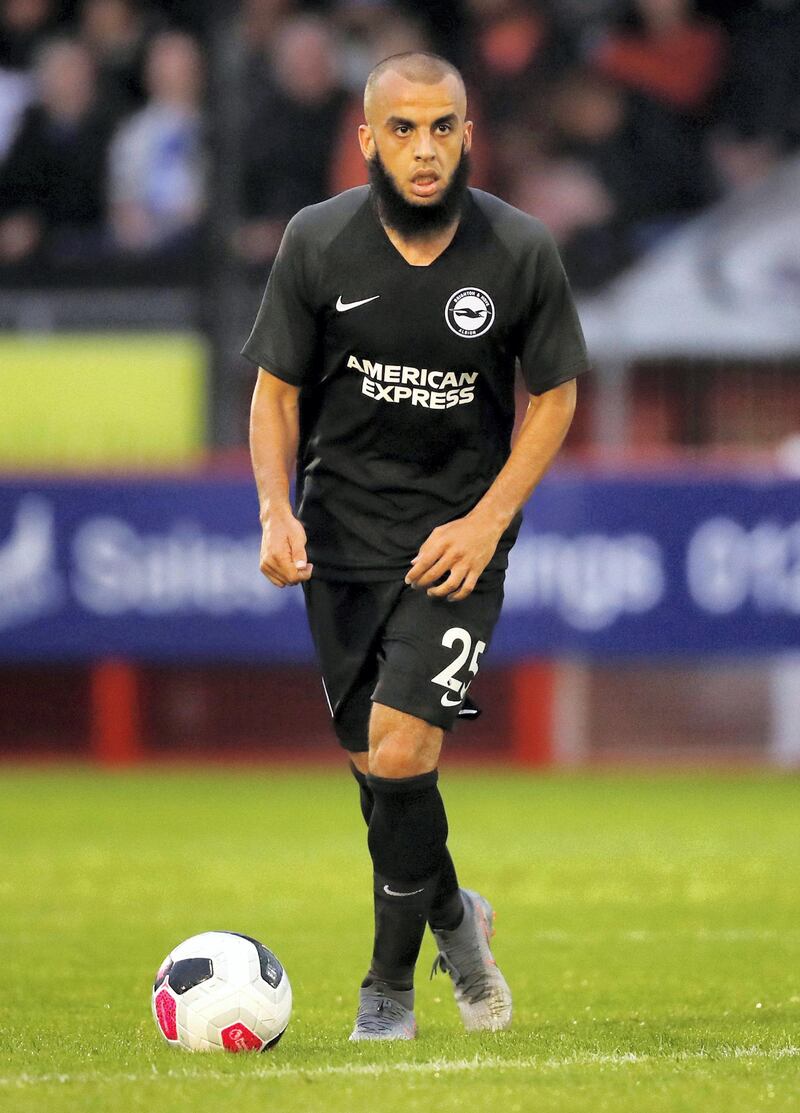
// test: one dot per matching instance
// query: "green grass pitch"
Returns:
(649, 927)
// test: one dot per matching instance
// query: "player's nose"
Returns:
(424, 148)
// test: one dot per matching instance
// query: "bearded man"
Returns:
(394, 319)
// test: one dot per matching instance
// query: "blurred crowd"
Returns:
(612, 120)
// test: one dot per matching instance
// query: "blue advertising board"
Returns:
(165, 569)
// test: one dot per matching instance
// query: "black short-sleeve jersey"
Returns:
(406, 373)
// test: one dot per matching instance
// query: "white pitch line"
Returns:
(702, 935)
(433, 1067)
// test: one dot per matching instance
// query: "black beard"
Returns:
(412, 221)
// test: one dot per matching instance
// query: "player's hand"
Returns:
(283, 550)
(460, 551)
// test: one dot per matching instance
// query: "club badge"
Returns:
(469, 312)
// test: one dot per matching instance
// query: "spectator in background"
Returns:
(261, 20)
(609, 175)
(156, 166)
(447, 26)
(23, 25)
(515, 53)
(117, 34)
(290, 135)
(52, 181)
(652, 163)
(760, 102)
(516, 50)
(369, 30)
(572, 175)
(657, 163)
(670, 56)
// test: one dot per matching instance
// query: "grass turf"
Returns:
(649, 927)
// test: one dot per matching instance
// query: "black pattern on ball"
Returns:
(271, 969)
(273, 1042)
(189, 972)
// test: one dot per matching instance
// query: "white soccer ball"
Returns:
(221, 991)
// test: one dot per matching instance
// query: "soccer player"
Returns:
(387, 341)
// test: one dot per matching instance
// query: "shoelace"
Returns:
(469, 975)
(381, 1018)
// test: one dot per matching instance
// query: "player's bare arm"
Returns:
(462, 549)
(274, 431)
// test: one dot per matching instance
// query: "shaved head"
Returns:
(417, 67)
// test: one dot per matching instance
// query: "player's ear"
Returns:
(467, 144)
(366, 141)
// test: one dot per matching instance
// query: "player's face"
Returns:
(419, 132)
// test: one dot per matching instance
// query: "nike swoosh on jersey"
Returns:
(447, 702)
(392, 893)
(343, 306)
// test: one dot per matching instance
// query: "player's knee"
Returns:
(397, 754)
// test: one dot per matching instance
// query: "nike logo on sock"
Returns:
(392, 893)
(343, 306)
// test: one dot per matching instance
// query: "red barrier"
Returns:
(115, 714)
(533, 685)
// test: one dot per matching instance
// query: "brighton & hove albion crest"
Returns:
(469, 312)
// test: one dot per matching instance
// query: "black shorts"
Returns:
(392, 644)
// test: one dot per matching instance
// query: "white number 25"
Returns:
(447, 677)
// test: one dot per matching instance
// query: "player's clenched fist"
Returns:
(283, 550)
(459, 551)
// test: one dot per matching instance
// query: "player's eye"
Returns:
(402, 129)
(443, 129)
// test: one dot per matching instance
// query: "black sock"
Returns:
(366, 798)
(447, 910)
(407, 837)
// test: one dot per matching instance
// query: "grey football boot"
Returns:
(481, 991)
(384, 1014)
